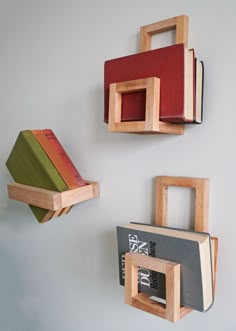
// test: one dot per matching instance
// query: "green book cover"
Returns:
(29, 164)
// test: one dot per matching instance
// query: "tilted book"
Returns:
(29, 164)
(59, 158)
(174, 65)
(191, 249)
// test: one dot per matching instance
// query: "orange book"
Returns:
(59, 158)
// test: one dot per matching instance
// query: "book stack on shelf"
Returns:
(153, 90)
(168, 271)
(45, 176)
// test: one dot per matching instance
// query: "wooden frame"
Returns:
(151, 123)
(140, 300)
(201, 186)
(180, 23)
(52, 200)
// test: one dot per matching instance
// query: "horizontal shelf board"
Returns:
(52, 200)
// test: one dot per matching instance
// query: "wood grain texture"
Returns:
(51, 214)
(180, 23)
(52, 200)
(173, 293)
(131, 276)
(35, 196)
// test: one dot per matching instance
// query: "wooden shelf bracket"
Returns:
(52, 200)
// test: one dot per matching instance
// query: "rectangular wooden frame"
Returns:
(201, 186)
(180, 23)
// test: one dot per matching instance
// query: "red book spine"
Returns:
(59, 158)
(79, 181)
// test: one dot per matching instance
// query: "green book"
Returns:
(29, 164)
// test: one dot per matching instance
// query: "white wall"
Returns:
(63, 275)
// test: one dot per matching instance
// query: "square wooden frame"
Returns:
(151, 123)
(170, 310)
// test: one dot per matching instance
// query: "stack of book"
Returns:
(192, 250)
(38, 159)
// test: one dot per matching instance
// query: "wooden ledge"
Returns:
(52, 200)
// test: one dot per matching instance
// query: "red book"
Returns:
(59, 158)
(173, 65)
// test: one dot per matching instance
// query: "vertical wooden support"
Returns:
(201, 186)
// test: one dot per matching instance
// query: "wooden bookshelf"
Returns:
(171, 310)
(152, 124)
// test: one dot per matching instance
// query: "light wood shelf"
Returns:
(52, 200)
(152, 123)
(171, 310)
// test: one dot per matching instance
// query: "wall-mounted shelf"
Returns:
(52, 200)
(171, 310)
(155, 121)
(45, 177)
